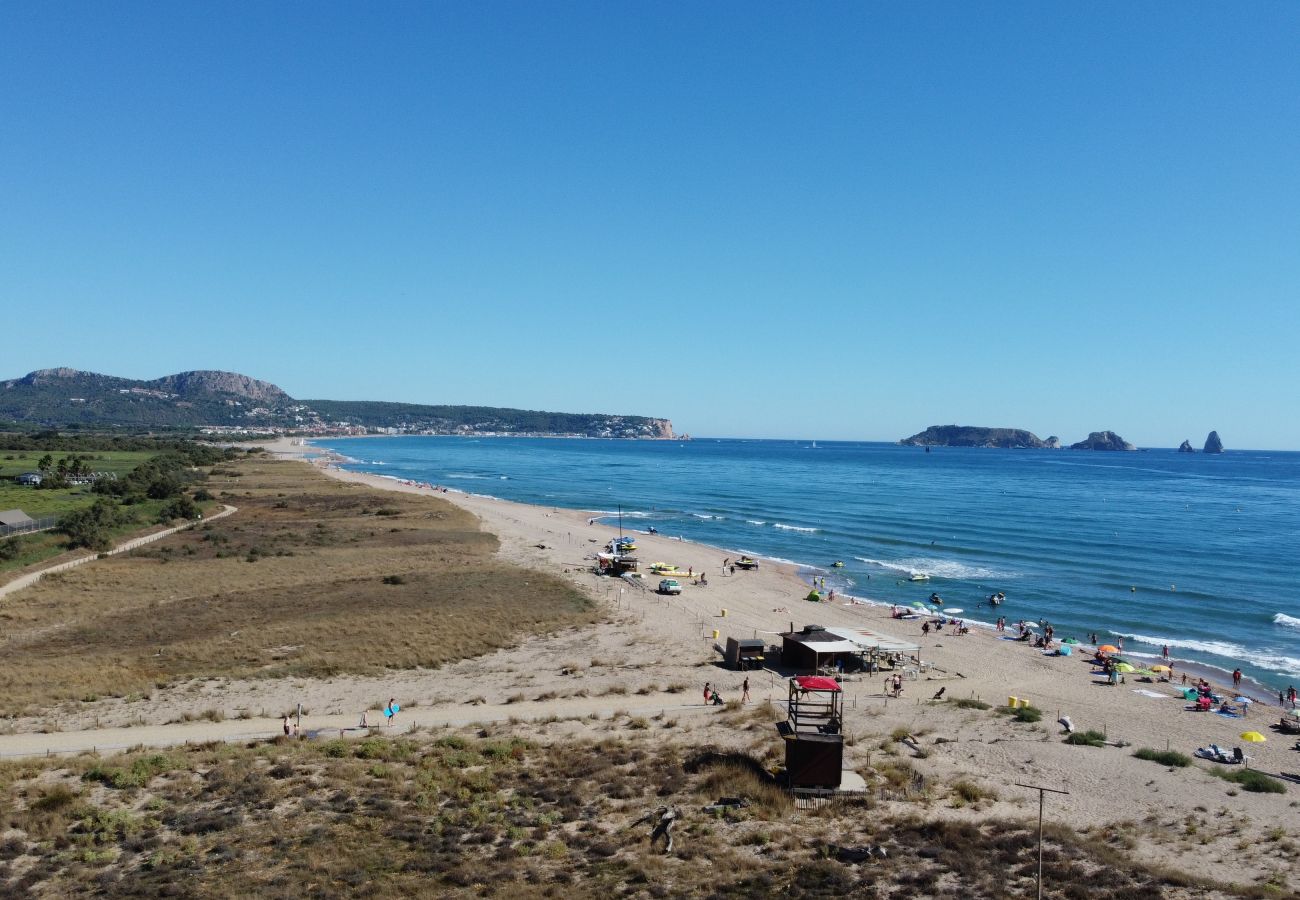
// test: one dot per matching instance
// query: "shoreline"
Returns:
(1258, 692)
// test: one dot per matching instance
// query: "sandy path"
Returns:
(30, 578)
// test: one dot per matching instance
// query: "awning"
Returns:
(817, 683)
(863, 639)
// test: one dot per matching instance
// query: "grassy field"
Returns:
(311, 577)
(492, 814)
(37, 503)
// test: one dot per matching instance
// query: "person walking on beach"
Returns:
(898, 684)
(1290, 695)
(925, 628)
(744, 691)
(1236, 679)
(390, 711)
(708, 692)
(1164, 653)
(287, 727)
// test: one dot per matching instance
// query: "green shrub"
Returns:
(1250, 780)
(1026, 714)
(1086, 738)
(1164, 757)
(137, 774)
(969, 703)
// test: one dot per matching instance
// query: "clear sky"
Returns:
(818, 220)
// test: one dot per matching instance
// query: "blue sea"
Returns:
(1191, 551)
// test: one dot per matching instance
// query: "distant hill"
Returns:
(226, 400)
(976, 436)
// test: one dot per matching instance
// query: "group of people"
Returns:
(713, 698)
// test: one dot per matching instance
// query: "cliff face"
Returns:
(975, 436)
(210, 382)
(1186, 447)
(1213, 444)
(1103, 440)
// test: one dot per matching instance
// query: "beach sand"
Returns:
(656, 653)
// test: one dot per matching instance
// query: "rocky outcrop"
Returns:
(975, 436)
(1186, 447)
(185, 384)
(1053, 443)
(1103, 440)
(1213, 444)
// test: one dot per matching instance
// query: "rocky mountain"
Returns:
(1213, 444)
(230, 401)
(1186, 447)
(975, 436)
(1103, 440)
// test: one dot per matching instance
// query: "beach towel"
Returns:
(1145, 693)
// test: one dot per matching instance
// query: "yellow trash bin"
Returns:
(715, 634)
(1013, 702)
(724, 614)
(1024, 702)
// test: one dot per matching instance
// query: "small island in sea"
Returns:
(1008, 439)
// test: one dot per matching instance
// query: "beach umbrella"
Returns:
(1253, 736)
(1124, 667)
(1108, 648)
(917, 604)
(1161, 669)
(1070, 640)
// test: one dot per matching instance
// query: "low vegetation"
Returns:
(1250, 780)
(1170, 758)
(1087, 738)
(457, 815)
(306, 579)
(969, 703)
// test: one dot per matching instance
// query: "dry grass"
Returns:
(460, 816)
(293, 584)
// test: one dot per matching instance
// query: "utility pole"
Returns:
(1041, 793)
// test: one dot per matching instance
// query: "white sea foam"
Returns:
(1264, 659)
(794, 528)
(627, 513)
(464, 475)
(937, 568)
(707, 517)
(755, 521)
(1286, 621)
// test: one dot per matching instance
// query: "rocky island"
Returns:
(1213, 444)
(974, 436)
(1008, 439)
(1103, 440)
(1186, 447)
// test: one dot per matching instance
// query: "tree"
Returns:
(181, 507)
(45, 462)
(92, 526)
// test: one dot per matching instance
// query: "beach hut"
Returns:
(745, 653)
(812, 647)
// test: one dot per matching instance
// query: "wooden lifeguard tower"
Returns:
(814, 733)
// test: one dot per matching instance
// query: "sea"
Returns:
(1194, 552)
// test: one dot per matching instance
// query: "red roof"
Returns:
(817, 683)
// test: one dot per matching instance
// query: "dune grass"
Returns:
(1250, 780)
(307, 579)
(1170, 758)
(462, 815)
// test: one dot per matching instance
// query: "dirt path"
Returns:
(31, 578)
(322, 727)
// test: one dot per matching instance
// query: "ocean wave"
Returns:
(755, 522)
(794, 528)
(707, 517)
(627, 513)
(465, 475)
(1264, 659)
(1286, 621)
(938, 568)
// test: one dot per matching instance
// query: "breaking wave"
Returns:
(937, 568)
(794, 528)
(1286, 621)
(1265, 659)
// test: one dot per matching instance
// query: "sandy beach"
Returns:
(656, 653)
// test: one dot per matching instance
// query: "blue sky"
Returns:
(831, 220)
